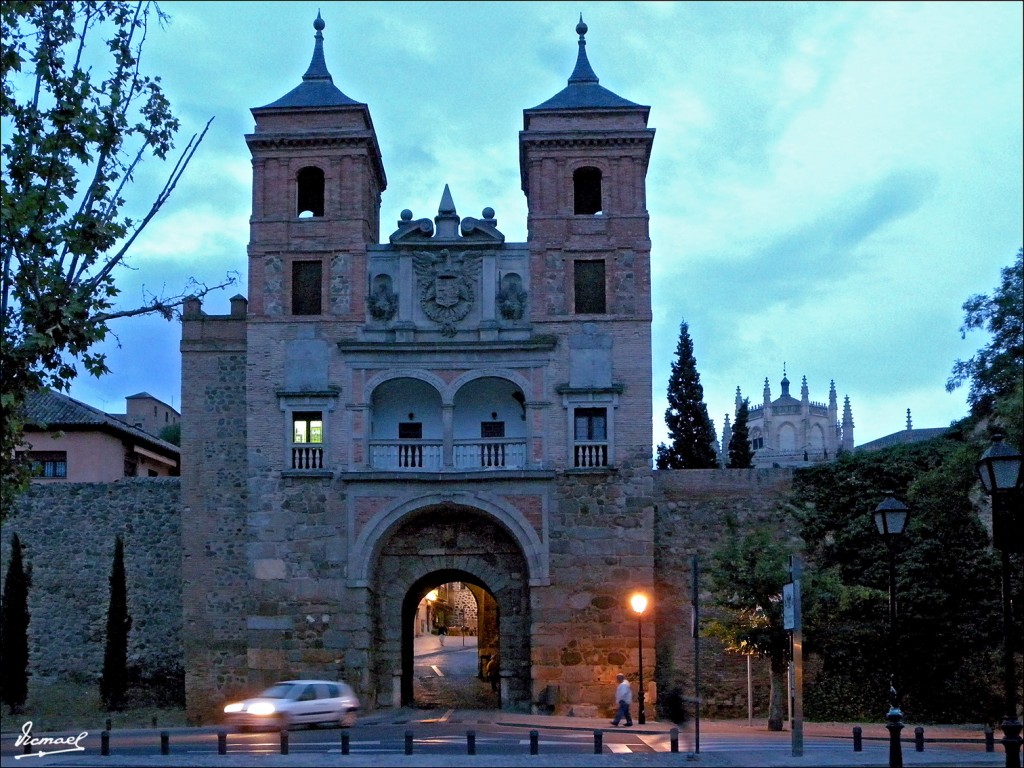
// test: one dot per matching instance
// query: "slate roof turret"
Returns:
(317, 88)
(584, 90)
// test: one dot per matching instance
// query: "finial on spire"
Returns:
(318, 66)
(583, 73)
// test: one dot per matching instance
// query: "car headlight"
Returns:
(261, 708)
(236, 707)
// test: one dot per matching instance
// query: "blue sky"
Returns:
(829, 181)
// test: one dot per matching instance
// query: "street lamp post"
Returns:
(1000, 471)
(891, 520)
(639, 603)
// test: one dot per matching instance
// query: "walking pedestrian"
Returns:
(623, 698)
(441, 632)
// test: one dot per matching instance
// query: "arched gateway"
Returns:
(436, 544)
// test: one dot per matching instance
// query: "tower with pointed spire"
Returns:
(380, 417)
(791, 432)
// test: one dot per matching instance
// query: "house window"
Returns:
(586, 191)
(590, 436)
(588, 282)
(48, 463)
(307, 286)
(131, 465)
(307, 440)
(311, 193)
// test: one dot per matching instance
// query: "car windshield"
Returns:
(279, 691)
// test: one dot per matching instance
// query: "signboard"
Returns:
(789, 606)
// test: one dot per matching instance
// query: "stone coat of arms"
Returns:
(445, 282)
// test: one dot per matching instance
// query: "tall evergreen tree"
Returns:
(14, 623)
(114, 683)
(741, 455)
(689, 427)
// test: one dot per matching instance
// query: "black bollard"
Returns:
(344, 743)
(673, 738)
(105, 743)
(165, 743)
(284, 741)
(408, 742)
(222, 742)
(598, 742)
(27, 749)
(470, 742)
(919, 739)
(534, 743)
(108, 725)
(990, 741)
(858, 743)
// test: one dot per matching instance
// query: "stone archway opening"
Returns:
(443, 544)
(448, 638)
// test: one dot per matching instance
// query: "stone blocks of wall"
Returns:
(691, 509)
(68, 532)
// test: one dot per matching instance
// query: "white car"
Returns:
(296, 702)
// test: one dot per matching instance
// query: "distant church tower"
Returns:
(787, 432)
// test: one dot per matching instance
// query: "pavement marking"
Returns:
(619, 749)
(437, 670)
(657, 742)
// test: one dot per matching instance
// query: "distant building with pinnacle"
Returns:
(791, 432)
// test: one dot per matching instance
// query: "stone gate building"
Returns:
(378, 419)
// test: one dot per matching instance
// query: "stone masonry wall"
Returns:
(68, 532)
(691, 507)
(602, 541)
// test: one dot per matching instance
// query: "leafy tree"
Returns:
(947, 585)
(171, 433)
(741, 455)
(114, 682)
(14, 626)
(689, 427)
(996, 371)
(79, 118)
(746, 579)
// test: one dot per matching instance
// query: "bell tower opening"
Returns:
(586, 189)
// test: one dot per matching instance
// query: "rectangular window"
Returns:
(307, 427)
(410, 430)
(492, 429)
(307, 287)
(48, 463)
(307, 440)
(588, 283)
(590, 434)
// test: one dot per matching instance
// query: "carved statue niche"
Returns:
(445, 283)
(511, 298)
(382, 301)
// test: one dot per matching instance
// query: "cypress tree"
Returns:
(741, 455)
(114, 682)
(14, 626)
(690, 429)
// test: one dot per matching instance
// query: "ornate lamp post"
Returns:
(891, 520)
(639, 603)
(1000, 471)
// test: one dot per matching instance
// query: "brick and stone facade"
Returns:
(377, 419)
